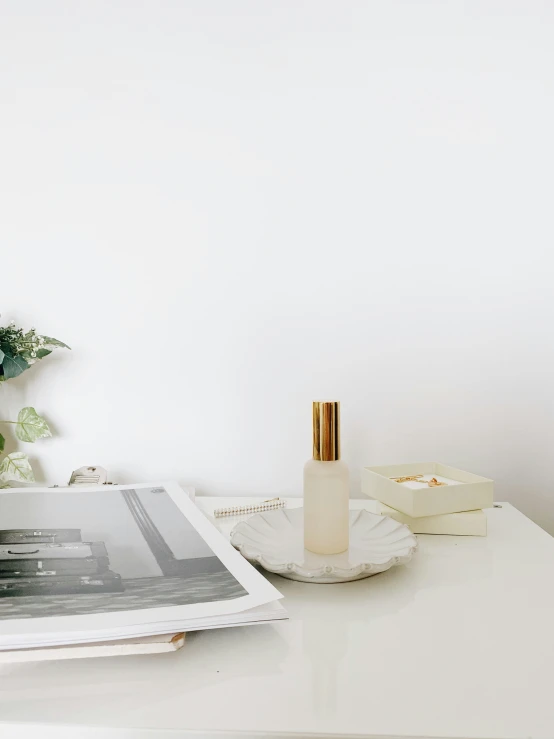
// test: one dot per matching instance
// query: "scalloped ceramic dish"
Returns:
(275, 541)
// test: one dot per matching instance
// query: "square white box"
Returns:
(464, 491)
(463, 523)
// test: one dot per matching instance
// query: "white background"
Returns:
(229, 209)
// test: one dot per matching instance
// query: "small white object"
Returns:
(466, 523)
(276, 542)
(463, 491)
(89, 476)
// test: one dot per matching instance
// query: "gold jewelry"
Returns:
(434, 483)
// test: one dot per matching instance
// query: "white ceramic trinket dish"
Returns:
(275, 541)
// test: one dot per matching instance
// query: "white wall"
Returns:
(276, 201)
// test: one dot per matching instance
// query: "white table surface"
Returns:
(459, 643)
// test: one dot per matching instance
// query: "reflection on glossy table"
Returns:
(459, 643)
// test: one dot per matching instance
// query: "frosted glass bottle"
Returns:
(326, 485)
(326, 496)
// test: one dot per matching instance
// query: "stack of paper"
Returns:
(104, 564)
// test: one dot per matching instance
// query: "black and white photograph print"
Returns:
(74, 553)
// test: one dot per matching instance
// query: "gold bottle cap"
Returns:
(326, 429)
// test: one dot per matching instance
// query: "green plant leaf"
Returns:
(1, 356)
(49, 341)
(2, 443)
(16, 466)
(31, 426)
(41, 353)
(13, 366)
